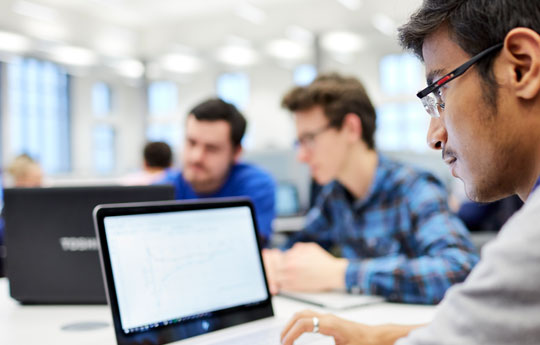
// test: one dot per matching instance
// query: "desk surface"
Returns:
(44, 324)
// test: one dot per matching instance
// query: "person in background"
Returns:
(482, 62)
(157, 162)
(2, 248)
(211, 164)
(378, 226)
(24, 172)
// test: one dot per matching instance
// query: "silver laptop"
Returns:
(188, 272)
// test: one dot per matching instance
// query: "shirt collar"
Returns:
(377, 184)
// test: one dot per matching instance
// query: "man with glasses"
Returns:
(486, 122)
(378, 227)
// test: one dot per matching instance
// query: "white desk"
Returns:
(43, 324)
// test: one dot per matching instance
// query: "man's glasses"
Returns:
(307, 140)
(431, 95)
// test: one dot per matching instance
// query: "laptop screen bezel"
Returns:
(185, 329)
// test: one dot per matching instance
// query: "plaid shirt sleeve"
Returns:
(440, 253)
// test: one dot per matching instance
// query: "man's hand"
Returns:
(308, 267)
(273, 260)
(345, 332)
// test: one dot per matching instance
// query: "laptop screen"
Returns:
(287, 201)
(171, 267)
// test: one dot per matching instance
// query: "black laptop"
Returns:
(188, 272)
(52, 251)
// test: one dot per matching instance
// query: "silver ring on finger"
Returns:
(315, 324)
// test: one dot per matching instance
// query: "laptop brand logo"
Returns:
(78, 244)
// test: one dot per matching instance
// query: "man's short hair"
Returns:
(157, 154)
(338, 96)
(216, 109)
(473, 25)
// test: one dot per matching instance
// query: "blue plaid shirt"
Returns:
(401, 240)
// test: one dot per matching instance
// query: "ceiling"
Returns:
(148, 29)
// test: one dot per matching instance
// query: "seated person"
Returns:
(378, 226)
(24, 172)
(211, 167)
(1, 229)
(157, 161)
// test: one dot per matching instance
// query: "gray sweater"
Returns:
(499, 303)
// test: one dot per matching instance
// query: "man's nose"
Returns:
(302, 154)
(197, 153)
(437, 135)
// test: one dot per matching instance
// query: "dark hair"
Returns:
(338, 96)
(157, 154)
(216, 109)
(474, 25)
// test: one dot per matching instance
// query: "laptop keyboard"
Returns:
(263, 337)
(271, 336)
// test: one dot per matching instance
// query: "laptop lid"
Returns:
(175, 270)
(51, 246)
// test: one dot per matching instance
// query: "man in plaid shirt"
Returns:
(378, 226)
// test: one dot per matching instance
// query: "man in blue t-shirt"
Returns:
(211, 167)
(1, 229)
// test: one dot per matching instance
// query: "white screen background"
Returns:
(177, 264)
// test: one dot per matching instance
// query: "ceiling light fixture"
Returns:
(299, 34)
(251, 13)
(129, 68)
(237, 55)
(352, 5)
(343, 42)
(13, 43)
(286, 49)
(36, 11)
(180, 63)
(74, 56)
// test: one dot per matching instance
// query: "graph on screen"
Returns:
(178, 264)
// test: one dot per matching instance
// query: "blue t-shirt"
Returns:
(244, 180)
(1, 219)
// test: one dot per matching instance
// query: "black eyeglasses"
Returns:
(432, 100)
(307, 140)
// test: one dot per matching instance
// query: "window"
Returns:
(400, 74)
(234, 88)
(172, 135)
(39, 112)
(402, 127)
(304, 74)
(401, 120)
(104, 152)
(164, 124)
(101, 99)
(104, 144)
(162, 98)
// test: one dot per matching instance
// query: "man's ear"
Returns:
(237, 153)
(522, 53)
(353, 125)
